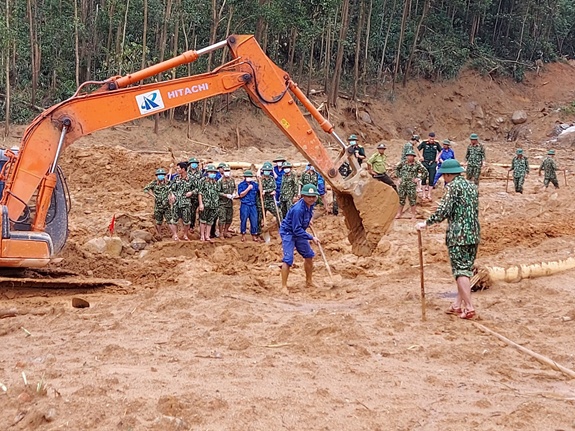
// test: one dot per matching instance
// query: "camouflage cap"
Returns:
(211, 168)
(267, 166)
(248, 173)
(410, 153)
(160, 171)
(286, 165)
(474, 137)
(193, 160)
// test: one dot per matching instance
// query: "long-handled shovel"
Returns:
(422, 278)
(265, 234)
(323, 256)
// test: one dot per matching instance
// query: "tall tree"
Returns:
(334, 90)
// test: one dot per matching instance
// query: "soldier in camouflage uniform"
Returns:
(288, 190)
(159, 189)
(475, 158)
(460, 206)
(195, 174)
(549, 167)
(520, 167)
(408, 172)
(410, 146)
(209, 201)
(181, 191)
(226, 190)
(268, 190)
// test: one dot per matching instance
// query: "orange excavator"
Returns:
(35, 202)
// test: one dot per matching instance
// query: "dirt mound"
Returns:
(204, 338)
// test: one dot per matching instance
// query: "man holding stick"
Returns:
(460, 206)
(294, 235)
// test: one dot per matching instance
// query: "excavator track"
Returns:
(54, 279)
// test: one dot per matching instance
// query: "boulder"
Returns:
(141, 234)
(111, 246)
(519, 117)
(138, 244)
(365, 117)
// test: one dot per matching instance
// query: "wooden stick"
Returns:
(262, 201)
(543, 359)
(507, 182)
(323, 255)
(421, 275)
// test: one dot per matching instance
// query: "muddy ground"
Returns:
(203, 338)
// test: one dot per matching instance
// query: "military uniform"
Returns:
(226, 186)
(429, 152)
(208, 188)
(161, 191)
(474, 157)
(288, 191)
(460, 206)
(196, 178)
(181, 208)
(407, 173)
(520, 167)
(268, 189)
(549, 167)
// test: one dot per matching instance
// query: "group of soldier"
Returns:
(207, 193)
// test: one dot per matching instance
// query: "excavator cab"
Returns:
(34, 205)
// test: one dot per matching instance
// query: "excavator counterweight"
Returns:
(34, 207)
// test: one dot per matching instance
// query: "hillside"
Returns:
(203, 338)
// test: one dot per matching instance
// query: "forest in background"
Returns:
(352, 47)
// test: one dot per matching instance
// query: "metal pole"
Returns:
(65, 124)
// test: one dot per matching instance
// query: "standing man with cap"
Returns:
(289, 189)
(209, 201)
(377, 166)
(248, 193)
(460, 206)
(358, 150)
(408, 173)
(294, 235)
(429, 150)
(195, 174)
(181, 190)
(445, 154)
(159, 189)
(269, 190)
(549, 167)
(475, 158)
(278, 173)
(226, 190)
(520, 167)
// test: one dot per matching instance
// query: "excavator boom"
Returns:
(369, 206)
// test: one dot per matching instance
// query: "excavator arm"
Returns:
(33, 173)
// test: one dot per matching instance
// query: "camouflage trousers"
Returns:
(226, 213)
(208, 216)
(285, 206)
(181, 212)
(270, 207)
(407, 189)
(518, 183)
(193, 209)
(462, 258)
(161, 214)
(552, 180)
(473, 172)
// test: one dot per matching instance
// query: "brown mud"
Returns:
(203, 338)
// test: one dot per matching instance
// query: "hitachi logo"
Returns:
(187, 90)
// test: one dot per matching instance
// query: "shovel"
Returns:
(323, 256)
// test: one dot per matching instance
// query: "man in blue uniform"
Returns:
(248, 192)
(294, 235)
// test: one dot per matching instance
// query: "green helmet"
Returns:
(450, 166)
(267, 166)
(222, 165)
(286, 165)
(211, 168)
(446, 142)
(160, 171)
(279, 159)
(352, 137)
(227, 168)
(415, 138)
(193, 160)
(410, 153)
(474, 137)
(551, 152)
(519, 151)
(309, 190)
(248, 173)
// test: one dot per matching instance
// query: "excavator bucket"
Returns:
(369, 210)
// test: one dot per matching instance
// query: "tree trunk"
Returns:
(382, 61)
(213, 34)
(406, 7)
(163, 39)
(175, 52)
(33, 48)
(291, 50)
(110, 31)
(76, 44)
(7, 71)
(123, 41)
(339, 57)
(366, 53)
(144, 37)
(415, 38)
(228, 28)
(310, 67)
(327, 59)
(357, 49)
(261, 23)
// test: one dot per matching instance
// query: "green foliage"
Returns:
(568, 110)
